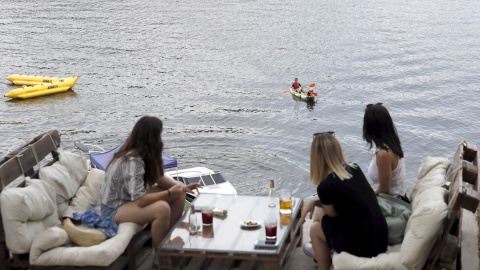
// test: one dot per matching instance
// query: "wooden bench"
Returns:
(25, 162)
(464, 193)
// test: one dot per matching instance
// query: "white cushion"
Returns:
(385, 261)
(88, 195)
(429, 211)
(51, 247)
(27, 211)
(76, 165)
(65, 176)
(432, 172)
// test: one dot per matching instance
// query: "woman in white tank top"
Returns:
(387, 168)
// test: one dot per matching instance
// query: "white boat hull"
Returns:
(209, 186)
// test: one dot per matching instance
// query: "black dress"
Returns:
(359, 227)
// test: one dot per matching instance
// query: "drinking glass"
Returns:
(271, 223)
(207, 215)
(286, 203)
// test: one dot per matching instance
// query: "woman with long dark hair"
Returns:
(135, 187)
(387, 168)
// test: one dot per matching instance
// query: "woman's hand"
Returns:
(176, 190)
(191, 187)
(309, 207)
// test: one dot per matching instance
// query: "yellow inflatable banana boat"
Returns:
(18, 79)
(62, 85)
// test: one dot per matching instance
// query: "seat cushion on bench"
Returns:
(53, 247)
(76, 165)
(432, 172)
(27, 211)
(429, 211)
(65, 175)
(88, 195)
(385, 261)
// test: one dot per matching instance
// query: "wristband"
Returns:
(168, 192)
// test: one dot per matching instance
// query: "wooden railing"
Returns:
(464, 193)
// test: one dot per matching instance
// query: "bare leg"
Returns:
(157, 213)
(319, 243)
(176, 205)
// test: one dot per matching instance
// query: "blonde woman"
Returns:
(348, 217)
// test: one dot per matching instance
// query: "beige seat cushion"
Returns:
(65, 175)
(432, 172)
(385, 261)
(75, 164)
(429, 211)
(53, 247)
(88, 195)
(27, 211)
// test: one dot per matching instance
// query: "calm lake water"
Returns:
(214, 72)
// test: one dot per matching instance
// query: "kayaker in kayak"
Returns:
(310, 92)
(297, 86)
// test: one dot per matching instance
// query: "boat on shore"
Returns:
(211, 181)
(42, 89)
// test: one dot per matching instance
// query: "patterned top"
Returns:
(399, 177)
(123, 181)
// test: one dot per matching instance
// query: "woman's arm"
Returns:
(307, 209)
(166, 182)
(386, 162)
(329, 210)
(151, 197)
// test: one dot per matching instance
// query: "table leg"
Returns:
(271, 265)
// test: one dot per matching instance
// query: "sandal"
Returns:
(308, 250)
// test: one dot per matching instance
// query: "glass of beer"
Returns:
(286, 203)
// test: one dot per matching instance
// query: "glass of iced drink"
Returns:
(207, 215)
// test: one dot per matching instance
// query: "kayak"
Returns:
(43, 89)
(302, 95)
(18, 79)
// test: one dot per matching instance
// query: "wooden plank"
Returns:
(22, 161)
(447, 250)
(220, 264)
(198, 263)
(245, 265)
(470, 172)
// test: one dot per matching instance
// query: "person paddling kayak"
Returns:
(297, 86)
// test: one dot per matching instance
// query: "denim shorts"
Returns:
(108, 212)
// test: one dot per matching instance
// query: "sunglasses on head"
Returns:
(326, 132)
(371, 104)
